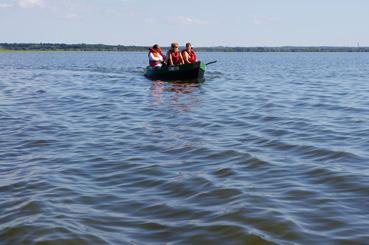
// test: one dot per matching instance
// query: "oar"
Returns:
(215, 61)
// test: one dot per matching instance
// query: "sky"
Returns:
(202, 22)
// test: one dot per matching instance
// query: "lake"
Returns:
(272, 148)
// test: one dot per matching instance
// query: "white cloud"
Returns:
(188, 21)
(30, 3)
(262, 20)
(113, 12)
(5, 5)
(149, 20)
(72, 16)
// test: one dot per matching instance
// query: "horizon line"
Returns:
(200, 46)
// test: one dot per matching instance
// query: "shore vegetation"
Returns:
(27, 47)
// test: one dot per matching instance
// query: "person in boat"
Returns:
(156, 57)
(174, 56)
(189, 55)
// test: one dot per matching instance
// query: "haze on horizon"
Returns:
(204, 23)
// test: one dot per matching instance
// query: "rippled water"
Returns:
(270, 149)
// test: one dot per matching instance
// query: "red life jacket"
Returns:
(191, 55)
(176, 57)
(156, 53)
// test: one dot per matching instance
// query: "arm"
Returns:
(170, 61)
(167, 58)
(185, 57)
(182, 61)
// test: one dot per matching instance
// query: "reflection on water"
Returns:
(157, 89)
(174, 92)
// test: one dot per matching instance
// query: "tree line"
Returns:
(68, 47)
(104, 47)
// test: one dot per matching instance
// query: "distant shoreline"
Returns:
(58, 47)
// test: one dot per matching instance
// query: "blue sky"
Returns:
(204, 23)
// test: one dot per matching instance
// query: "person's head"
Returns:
(188, 46)
(174, 46)
(156, 47)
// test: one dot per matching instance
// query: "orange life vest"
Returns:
(156, 53)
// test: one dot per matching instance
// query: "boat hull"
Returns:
(183, 72)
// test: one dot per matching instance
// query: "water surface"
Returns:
(271, 149)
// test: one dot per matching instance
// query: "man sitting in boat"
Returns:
(156, 57)
(174, 57)
(189, 55)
